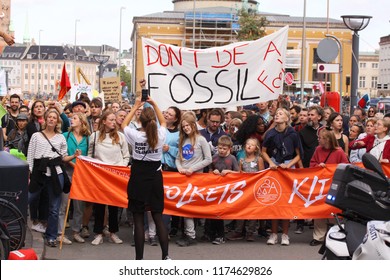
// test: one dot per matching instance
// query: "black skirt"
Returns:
(145, 189)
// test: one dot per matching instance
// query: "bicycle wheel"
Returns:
(4, 242)
(14, 222)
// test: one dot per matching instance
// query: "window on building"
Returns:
(362, 81)
(52, 77)
(32, 77)
(26, 66)
(59, 66)
(32, 66)
(374, 82)
(316, 58)
(26, 76)
(375, 65)
(362, 65)
(45, 76)
(45, 87)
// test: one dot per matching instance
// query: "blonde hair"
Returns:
(57, 129)
(287, 113)
(84, 129)
(257, 143)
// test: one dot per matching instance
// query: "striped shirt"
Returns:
(39, 147)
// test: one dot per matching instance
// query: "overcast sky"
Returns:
(99, 20)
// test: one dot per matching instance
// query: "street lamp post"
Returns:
(303, 52)
(75, 50)
(355, 23)
(7, 70)
(101, 59)
(120, 42)
(39, 61)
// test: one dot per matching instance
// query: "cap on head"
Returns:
(22, 117)
(76, 103)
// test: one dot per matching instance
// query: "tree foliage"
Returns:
(126, 77)
(252, 25)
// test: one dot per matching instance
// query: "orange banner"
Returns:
(270, 194)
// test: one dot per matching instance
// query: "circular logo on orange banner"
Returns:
(267, 191)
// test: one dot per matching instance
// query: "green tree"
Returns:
(252, 25)
(126, 77)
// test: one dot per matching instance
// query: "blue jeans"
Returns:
(54, 206)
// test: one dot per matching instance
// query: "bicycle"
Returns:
(4, 244)
(13, 220)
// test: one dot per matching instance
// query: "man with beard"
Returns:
(294, 113)
(308, 134)
(8, 121)
(309, 140)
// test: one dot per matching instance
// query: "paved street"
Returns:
(231, 250)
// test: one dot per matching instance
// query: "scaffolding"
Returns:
(210, 29)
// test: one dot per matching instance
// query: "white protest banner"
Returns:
(238, 74)
(3, 86)
(77, 89)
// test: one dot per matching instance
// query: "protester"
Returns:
(194, 155)
(327, 152)
(335, 121)
(8, 121)
(222, 164)
(281, 148)
(46, 152)
(108, 145)
(252, 162)
(145, 188)
(356, 152)
(77, 139)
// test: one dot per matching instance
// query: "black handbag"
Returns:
(67, 182)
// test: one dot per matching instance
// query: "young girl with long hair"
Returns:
(108, 145)
(281, 148)
(77, 139)
(328, 151)
(145, 188)
(194, 155)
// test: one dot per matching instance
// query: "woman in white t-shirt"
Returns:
(145, 188)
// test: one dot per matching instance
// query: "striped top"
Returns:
(39, 147)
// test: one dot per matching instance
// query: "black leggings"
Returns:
(139, 234)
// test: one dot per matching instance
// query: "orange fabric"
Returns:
(270, 194)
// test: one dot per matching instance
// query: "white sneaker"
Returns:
(39, 228)
(115, 239)
(98, 239)
(106, 231)
(65, 240)
(78, 238)
(285, 240)
(273, 239)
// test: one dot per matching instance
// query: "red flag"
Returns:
(65, 83)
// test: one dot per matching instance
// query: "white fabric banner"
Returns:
(238, 74)
(3, 86)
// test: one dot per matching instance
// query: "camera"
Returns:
(145, 94)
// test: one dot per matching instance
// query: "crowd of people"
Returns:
(274, 134)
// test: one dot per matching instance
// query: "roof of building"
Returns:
(13, 52)
(56, 53)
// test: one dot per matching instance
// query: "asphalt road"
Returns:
(299, 249)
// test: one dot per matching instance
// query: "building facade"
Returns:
(368, 73)
(38, 69)
(213, 23)
(384, 66)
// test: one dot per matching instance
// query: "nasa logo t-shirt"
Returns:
(188, 151)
